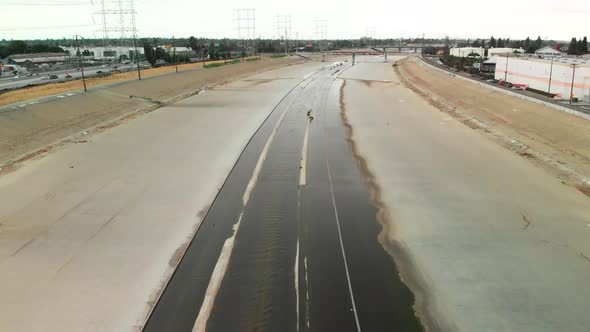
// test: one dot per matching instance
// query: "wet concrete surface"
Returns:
(179, 304)
(306, 257)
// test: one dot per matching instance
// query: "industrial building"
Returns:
(464, 52)
(105, 53)
(549, 75)
(504, 50)
(33, 59)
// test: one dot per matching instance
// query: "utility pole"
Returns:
(353, 57)
(385, 53)
(422, 51)
(572, 87)
(321, 30)
(80, 63)
(550, 74)
(174, 54)
(136, 57)
(506, 71)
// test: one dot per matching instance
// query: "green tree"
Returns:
(585, 45)
(515, 43)
(527, 45)
(3, 51)
(492, 42)
(195, 44)
(150, 54)
(572, 49)
(17, 47)
(500, 42)
(538, 43)
(161, 54)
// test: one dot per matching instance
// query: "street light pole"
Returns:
(572, 87)
(80, 63)
(550, 74)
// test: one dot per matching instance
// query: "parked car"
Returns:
(53, 77)
(45, 77)
(68, 76)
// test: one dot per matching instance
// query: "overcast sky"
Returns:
(516, 19)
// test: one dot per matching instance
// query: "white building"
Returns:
(548, 51)
(535, 72)
(105, 53)
(464, 52)
(180, 50)
(504, 50)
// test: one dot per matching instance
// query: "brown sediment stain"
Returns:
(371, 83)
(584, 189)
(408, 272)
(34, 154)
(259, 81)
(12, 166)
(526, 220)
(202, 212)
(178, 253)
(526, 155)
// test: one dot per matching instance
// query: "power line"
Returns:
(47, 27)
(46, 4)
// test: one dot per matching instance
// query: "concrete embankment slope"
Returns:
(487, 240)
(90, 233)
(31, 126)
(557, 141)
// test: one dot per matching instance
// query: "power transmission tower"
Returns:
(321, 32)
(118, 17)
(245, 20)
(370, 32)
(284, 29)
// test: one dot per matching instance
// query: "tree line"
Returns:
(22, 47)
(529, 45)
(578, 46)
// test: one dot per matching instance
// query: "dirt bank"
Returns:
(19, 95)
